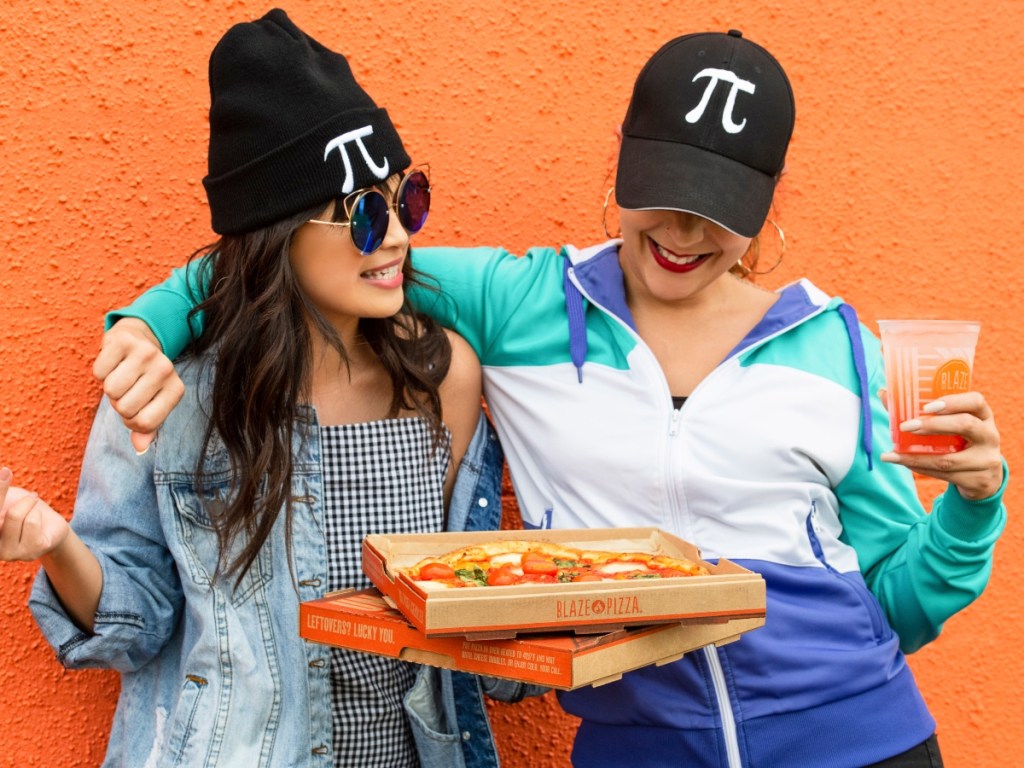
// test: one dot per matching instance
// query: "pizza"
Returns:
(517, 561)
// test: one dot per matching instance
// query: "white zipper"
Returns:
(674, 421)
(732, 746)
(673, 428)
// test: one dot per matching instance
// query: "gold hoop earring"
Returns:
(604, 216)
(782, 252)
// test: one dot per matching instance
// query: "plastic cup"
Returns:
(924, 361)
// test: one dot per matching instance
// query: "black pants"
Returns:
(924, 755)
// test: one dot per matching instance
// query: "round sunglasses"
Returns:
(367, 212)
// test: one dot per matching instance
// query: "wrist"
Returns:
(138, 326)
(58, 555)
(994, 486)
(972, 520)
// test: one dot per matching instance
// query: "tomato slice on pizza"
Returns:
(516, 561)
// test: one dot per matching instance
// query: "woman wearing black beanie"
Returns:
(318, 408)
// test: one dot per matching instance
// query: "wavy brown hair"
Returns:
(258, 334)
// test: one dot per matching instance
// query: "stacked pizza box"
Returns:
(562, 635)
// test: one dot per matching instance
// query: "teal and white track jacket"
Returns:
(772, 463)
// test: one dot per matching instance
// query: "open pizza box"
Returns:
(363, 621)
(729, 592)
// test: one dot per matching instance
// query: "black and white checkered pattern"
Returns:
(378, 477)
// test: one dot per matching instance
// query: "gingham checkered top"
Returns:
(378, 477)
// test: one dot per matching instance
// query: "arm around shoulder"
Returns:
(165, 308)
(134, 362)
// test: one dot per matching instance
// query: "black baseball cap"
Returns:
(706, 131)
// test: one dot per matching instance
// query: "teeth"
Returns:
(669, 256)
(383, 274)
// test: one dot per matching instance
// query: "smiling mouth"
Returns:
(388, 273)
(675, 262)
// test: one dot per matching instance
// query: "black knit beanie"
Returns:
(289, 127)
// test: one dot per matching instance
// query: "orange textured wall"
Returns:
(903, 194)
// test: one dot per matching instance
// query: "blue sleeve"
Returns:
(165, 307)
(116, 515)
(921, 567)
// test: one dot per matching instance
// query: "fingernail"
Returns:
(934, 406)
(142, 442)
(889, 456)
(5, 475)
(911, 425)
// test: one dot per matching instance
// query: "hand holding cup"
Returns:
(940, 427)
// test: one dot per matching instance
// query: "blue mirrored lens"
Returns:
(369, 221)
(414, 203)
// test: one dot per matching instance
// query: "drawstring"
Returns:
(576, 313)
(849, 315)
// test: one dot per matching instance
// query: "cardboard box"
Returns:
(730, 592)
(363, 621)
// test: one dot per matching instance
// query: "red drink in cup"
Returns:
(924, 361)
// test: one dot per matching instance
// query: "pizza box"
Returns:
(729, 592)
(362, 620)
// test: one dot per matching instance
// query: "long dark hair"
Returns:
(258, 336)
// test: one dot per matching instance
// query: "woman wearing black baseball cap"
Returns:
(642, 381)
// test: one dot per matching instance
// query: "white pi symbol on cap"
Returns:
(730, 125)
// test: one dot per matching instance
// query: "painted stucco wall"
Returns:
(903, 194)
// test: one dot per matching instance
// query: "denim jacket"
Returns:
(213, 674)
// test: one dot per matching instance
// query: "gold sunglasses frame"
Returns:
(392, 204)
